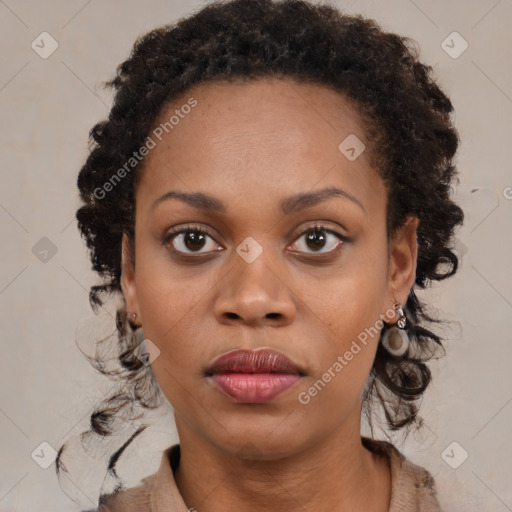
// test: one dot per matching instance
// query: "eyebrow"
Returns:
(288, 205)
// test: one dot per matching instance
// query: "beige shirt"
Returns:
(412, 486)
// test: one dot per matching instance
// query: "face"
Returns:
(273, 259)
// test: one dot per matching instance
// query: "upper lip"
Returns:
(254, 361)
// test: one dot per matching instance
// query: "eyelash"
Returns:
(297, 234)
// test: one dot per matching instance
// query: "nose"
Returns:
(254, 294)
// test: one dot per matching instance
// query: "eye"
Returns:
(190, 240)
(316, 239)
(320, 239)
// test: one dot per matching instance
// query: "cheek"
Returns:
(347, 310)
(167, 293)
(349, 300)
(169, 305)
(170, 311)
(344, 364)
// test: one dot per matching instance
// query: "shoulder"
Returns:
(412, 486)
(134, 499)
(157, 491)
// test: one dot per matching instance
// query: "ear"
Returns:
(128, 277)
(403, 253)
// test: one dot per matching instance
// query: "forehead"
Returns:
(263, 135)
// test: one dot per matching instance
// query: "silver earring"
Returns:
(394, 339)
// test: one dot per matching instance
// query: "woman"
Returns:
(271, 188)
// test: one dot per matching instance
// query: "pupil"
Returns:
(316, 238)
(192, 237)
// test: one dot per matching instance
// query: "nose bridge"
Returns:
(253, 291)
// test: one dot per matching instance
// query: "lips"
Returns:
(253, 361)
(258, 376)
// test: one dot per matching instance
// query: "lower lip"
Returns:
(254, 388)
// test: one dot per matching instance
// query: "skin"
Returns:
(251, 145)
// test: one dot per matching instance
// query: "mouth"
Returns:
(253, 377)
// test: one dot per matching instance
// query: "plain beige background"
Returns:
(48, 106)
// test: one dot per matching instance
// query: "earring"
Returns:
(131, 320)
(137, 329)
(394, 339)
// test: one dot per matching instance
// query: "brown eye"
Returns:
(194, 240)
(191, 240)
(318, 240)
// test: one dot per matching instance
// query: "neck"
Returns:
(338, 473)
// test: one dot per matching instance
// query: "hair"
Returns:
(407, 122)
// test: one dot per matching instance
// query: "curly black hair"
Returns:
(411, 137)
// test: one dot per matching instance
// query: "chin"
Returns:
(261, 439)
